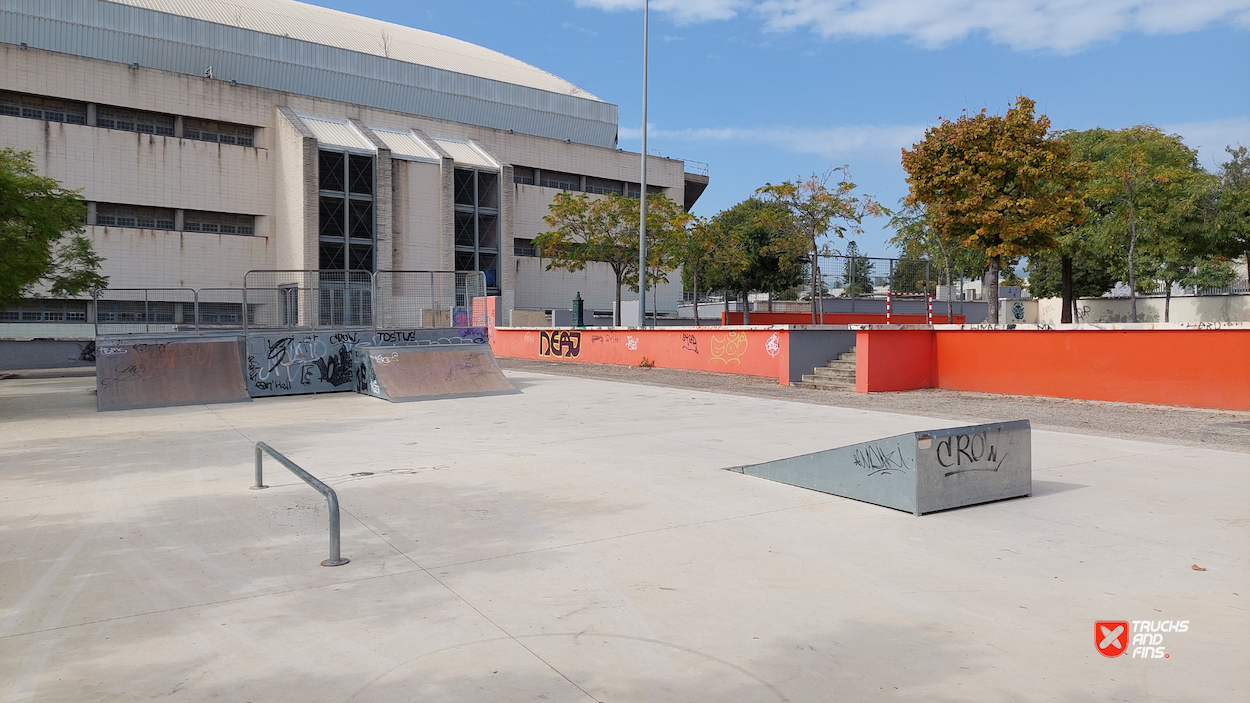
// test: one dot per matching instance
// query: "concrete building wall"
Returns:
(147, 258)
(418, 243)
(276, 180)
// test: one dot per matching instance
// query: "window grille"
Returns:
(346, 217)
(218, 132)
(477, 223)
(563, 181)
(602, 186)
(135, 121)
(113, 215)
(40, 108)
(218, 223)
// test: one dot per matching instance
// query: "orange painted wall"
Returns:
(835, 318)
(1194, 368)
(750, 352)
(893, 360)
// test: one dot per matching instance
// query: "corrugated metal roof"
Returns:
(404, 145)
(465, 152)
(322, 25)
(340, 133)
(276, 59)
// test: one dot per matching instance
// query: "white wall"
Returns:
(1188, 309)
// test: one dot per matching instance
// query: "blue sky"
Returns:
(767, 91)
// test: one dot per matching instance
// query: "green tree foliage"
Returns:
(999, 184)
(857, 273)
(36, 216)
(913, 276)
(1232, 205)
(605, 229)
(759, 257)
(1145, 200)
(1090, 277)
(916, 238)
(708, 254)
(814, 212)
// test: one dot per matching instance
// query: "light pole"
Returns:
(642, 190)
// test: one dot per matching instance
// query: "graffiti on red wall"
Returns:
(560, 343)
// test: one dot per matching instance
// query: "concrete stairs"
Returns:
(837, 375)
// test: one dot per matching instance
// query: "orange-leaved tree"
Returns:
(1000, 184)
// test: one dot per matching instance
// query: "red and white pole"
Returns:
(930, 297)
(887, 306)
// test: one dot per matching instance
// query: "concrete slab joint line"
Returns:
(920, 472)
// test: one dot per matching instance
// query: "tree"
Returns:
(36, 215)
(1000, 184)
(916, 238)
(1232, 205)
(814, 212)
(589, 229)
(1144, 198)
(912, 276)
(857, 276)
(757, 258)
(706, 251)
(1085, 277)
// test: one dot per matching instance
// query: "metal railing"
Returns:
(295, 300)
(332, 499)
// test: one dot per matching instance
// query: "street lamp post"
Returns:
(642, 190)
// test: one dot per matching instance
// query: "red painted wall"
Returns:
(893, 360)
(835, 318)
(749, 352)
(1194, 368)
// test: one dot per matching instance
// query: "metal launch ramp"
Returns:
(919, 472)
(157, 372)
(428, 372)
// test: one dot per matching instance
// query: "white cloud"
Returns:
(835, 143)
(1210, 138)
(1058, 25)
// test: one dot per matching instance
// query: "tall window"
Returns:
(477, 223)
(345, 203)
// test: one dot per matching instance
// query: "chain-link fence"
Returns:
(872, 277)
(295, 300)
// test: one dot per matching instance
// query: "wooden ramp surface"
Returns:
(428, 372)
(155, 373)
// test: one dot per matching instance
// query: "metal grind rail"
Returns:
(332, 499)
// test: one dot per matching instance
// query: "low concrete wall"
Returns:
(1203, 368)
(1188, 309)
(809, 348)
(46, 353)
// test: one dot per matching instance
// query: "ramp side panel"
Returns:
(975, 464)
(405, 374)
(881, 472)
(295, 362)
(134, 374)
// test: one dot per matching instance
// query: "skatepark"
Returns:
(581, 540)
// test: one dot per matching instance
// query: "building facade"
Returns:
(211, 138)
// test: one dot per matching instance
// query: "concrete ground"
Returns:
(580, 542)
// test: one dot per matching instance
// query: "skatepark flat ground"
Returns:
(580, 541)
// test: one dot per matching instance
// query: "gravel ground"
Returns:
(1214, 429)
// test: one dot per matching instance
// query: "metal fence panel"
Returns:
(144, 310)
(297, 300)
